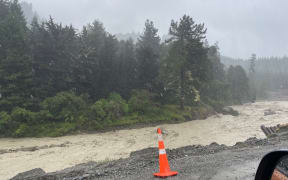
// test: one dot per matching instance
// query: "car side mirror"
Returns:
(273, 166)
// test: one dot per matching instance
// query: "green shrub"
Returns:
(21, 115)
(119, 103)
(64, 128)
(106, 111)
(43, 116)
(22, 130)
(5, 123)
(64, 107)
(5, 118)
(98, 110)
(141, 101)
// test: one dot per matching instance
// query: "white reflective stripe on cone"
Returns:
(160, 137)
(162, 151)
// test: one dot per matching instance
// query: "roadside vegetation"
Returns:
(56, 80)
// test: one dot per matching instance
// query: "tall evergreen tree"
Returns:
(15, 62)
(55, 51)
(213, 54)
(108, 66)
(148, 54)
(216, 89)
(187, 63)
(252, 73)
(98, 58)
(126, 68)
(252, 61)
(239, 83)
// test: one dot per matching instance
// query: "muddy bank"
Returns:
(141, 164)
(51, 155)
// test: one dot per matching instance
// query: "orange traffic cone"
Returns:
(163, 161)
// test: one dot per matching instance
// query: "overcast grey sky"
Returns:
(241, 27)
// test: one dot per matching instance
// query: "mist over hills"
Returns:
(271, 71)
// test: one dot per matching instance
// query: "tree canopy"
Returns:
(55, 77)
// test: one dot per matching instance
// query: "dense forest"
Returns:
(270, 73)
(55, 79)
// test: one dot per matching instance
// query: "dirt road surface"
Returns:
(53, 154)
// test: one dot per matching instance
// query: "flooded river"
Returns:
(58, 153)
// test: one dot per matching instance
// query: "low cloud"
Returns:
(241, 27)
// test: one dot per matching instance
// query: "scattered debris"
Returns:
(269, 131)
(279, 130)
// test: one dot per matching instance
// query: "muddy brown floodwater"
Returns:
(52, 154)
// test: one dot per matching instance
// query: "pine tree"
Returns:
(98, 61)
(187, 63)
(252, 61)
(127, 68)
(15, 62)
(55, 51)
(252, 77)
(239, 83)
(218, 72)
(148, 54)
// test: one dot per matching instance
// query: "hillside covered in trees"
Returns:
(55, 80)
(270, 73)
